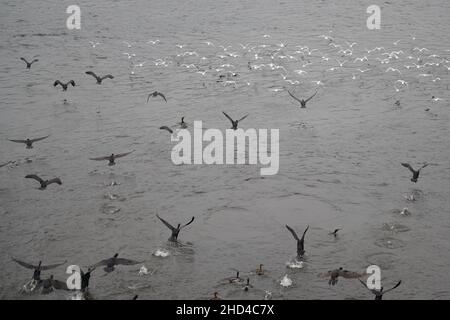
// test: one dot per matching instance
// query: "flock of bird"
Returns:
(292, 63)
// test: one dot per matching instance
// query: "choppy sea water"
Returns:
(339, 158)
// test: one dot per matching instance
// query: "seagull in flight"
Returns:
(111, 158)
(234, 122)
(37, 268)
(98, 78)
(64, 85)
(110, 263)
(300, 241)
(302, 102)
(155, 94)
(29, 142)
(42, 182)
(379, 293)
(175, 231)
(414, 172)
(29, 63)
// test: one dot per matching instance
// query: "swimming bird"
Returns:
(166, 128)
(300, 242)
(247, 285)
(334, 233)
(29, 63)
(64, 85)
(302, 102)
(155, 94)
(260, 270)
(112, 157)
(234, 122)
(235, 279)
(175, 231)
(379, 293)
(414, 172)
(98, 78)
(183, 124)
(44, 183)
(37, 269)
(29, 142)
(335, 274)
(216, 296)
(114, 261)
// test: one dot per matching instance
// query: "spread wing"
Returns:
(149, 95)
(57, 82)
(188, 223)
(166, 128)
(39, 139)
(59, 285)
(24, 264)
(398, 283)
(52, 266)
(72, 83)
(35, 177)
(120, 155)
(310, 97)
(92, 74)
(90, 269)
(55, 180)
(243, 117)
(160, 94)
(24, 60)
(364, 284)
(168, 225)
(35, 60)
(294, 97)
(425, 165)
(100, 158)
(126, 261)
(229, 118)
(349, 274)
(108, 76)
(293, 232)
(101, 263)
(407, 165)
(19, 141)
(304, 232)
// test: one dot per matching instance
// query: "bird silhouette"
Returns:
(111, 159)
(175, 231)
(64, 85)
(44, 183)
(29, 142)
(155, 94)
(98, 78)
(414, 172)
(29, 63)
(302, 102)
(300, 241)
(234, 123)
